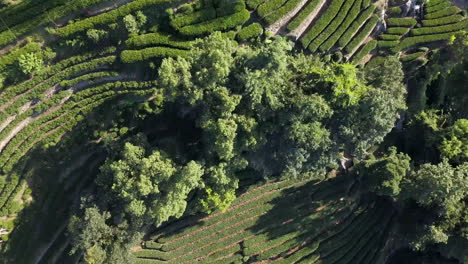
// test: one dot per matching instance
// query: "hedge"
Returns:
(88, 77)
(389, 37)
(250, 31)
(362, 35)
(333, 26)
(397, 30)
(384, 44)
(324, 20)
(179, 21)
(360, 20)
(222, 23)
(139, 41)
(401, 22)
(297, 21)
(132, 56)
(412, 41)
(394, 11)
(350, 17)
(269, 6)
(438, 7)
(363, 51)
(412, 56)
(107, 17)
(440, 29)
(281, 12)
(38, 18)
(442, 21)
(443, 13)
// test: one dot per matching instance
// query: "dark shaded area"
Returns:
(408, 256)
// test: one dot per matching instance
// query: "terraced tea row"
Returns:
(283, 222)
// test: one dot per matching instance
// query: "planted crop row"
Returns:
(401, 22)
(412, 56)
(250, 31)
(362, 35)
(107, 17)
(88, 77)
(397, 30)
(333, 26)
(353, 29)
(12, 91)
(218, 24)
(269, 6)
(443, 13)
(433, 3)
(29, 22)
(179, 21)
(440, 29)
(435, 8)
(324, 20)
(157, 39)
(386, 44)
(350, 17)
(132, 56)
(303, 14)
(242, 203)
(389, 37)
(62, 119)
(442, 21)
(37, 91)
(412, 41)
(279, 13)
(366, 49)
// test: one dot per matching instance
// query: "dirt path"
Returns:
(279, 27)
(297, 33)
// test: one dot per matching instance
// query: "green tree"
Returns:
(384, 175)
(455, 143)
(96, 35)
(30, 63)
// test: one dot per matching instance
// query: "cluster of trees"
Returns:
(256, 109)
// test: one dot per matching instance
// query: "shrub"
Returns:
(250, 31)
(269, 6)
(363, 34)
(401, 22)
(366, 49)
(230, 7)
(281, 12)
(442, 21)
(132, 56)
(297, 21)
(443, 13)
(253, 4)
(11, 57)
(360, 20)
(440, 6)
(440, 29)
(389, 37)
(157, 38)
(412, 41)
(331, 28)
(412, 56)
(397, 30)
(222, 23)
(394, 11)
(322, 22)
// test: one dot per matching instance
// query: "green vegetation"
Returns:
(219, 131)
